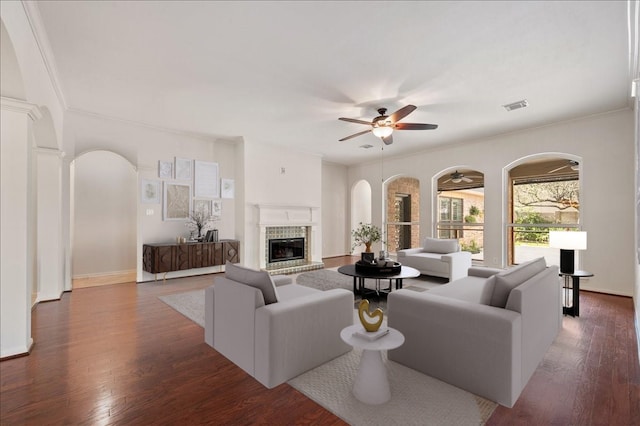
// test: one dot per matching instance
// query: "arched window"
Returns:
(543, 195)
(460, 209)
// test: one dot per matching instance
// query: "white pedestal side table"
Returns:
(372, 385)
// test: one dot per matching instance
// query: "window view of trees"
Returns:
(541, 203)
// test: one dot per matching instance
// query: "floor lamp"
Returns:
(568, 242)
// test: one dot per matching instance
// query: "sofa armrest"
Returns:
(459, 264)
(234, 308)
(472, 346)
(483, 272)
(280, 280)
(408, 252)
(296, 335)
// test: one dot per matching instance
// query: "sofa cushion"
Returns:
(513, 277)
(438, 245)
(258, 279)
(470, 289)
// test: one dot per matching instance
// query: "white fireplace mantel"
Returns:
(283, 215)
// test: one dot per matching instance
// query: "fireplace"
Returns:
(285, 249)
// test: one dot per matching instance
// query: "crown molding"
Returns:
(16, 105)
(40, 35)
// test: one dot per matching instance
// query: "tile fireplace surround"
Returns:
(289, 222)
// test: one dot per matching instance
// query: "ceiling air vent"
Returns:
(516, 105)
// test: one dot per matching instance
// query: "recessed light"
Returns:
(516, 105)
(366, 146)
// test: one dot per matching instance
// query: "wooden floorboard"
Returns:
(118, 355)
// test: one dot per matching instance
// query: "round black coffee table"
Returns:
(359, 277)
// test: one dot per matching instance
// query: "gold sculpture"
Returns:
(363, 313)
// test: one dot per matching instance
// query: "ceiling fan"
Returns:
(457, 177)
(575, 166)
(384, 125)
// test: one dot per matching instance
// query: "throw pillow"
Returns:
(511, 278)
(258, 279)
(440, 246)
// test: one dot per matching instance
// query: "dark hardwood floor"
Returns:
(118, 355)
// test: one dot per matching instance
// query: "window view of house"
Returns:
(461, 210)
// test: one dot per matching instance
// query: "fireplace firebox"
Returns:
(284, 249)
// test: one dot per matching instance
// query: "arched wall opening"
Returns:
(402, 213)
(360, 207)
(104, 219)
(11, 83)
(542, 195)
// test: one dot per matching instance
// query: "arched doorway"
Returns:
(104, 219)
(360, 206)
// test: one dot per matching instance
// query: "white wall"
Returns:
(605, 143)
(335, 205)
(144, 146)
(265, 183)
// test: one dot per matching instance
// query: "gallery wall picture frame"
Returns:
(177, 203)
(216, 209)
(183, 168)
(206, 181)
(150, 191)
(227, 188)
(165, 169)
(203, 206)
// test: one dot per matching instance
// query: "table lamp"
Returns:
(568, 242)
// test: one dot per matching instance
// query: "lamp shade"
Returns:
(570, 240)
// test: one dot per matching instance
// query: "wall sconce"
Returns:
(568, 242)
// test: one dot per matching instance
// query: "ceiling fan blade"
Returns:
(353, 120)
(354, 135)
(402, 113)
(559, 168)
(466, 179)
(415, 126)
(448, 180)
(388, 140)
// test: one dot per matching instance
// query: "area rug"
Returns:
(416, 399)
(190, 304)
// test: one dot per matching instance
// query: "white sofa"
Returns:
(437, 257)
(274, 333)
(485, 333)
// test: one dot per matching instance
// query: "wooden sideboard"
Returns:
(162, 257)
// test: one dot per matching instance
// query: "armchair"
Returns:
(278, 341)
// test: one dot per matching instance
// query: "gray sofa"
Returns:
(437, 257)
(485, 333)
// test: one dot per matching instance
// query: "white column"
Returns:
(16, 245)
(50, 264)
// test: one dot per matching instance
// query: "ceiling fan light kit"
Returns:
(383, 125)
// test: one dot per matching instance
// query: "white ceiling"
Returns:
(282, 72)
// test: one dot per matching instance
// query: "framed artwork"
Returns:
(150, 191)
(206, 179)
(177, 201)
(165, 169)
(183, 168)
(216, 211)
(227, 188)
(203, 206)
